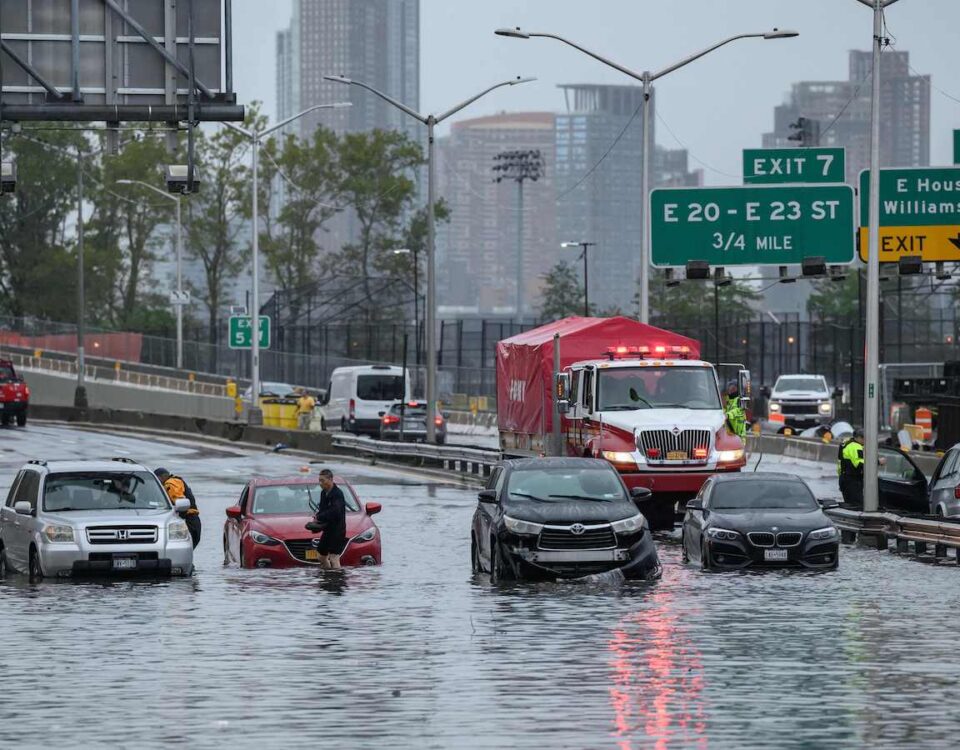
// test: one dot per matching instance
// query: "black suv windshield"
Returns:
(629, 388)
(379, 387)
(138, 490)
(562, 483)
(762, 495)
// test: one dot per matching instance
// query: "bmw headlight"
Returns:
(367, 535)
(774, 407)
(524, 528)
(629, 525)
(58, 534)
(729, 457)
(830, 532)
(177, 531)
(260, 538)
(826, 408)
(723, 535)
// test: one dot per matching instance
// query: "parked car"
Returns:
(802, 400)
(945, 485)
(14, 395)
(265, 529)
(358, 397)
(71, 518)
(903, 486)
(413, 415)
(560, 518)
(273, 390)
(741, 520)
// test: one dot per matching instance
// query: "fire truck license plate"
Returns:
(676, 455)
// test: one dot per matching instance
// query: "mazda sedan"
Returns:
(742, 520)
(561, 518)
(266, 528)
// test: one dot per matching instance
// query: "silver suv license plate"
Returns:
(124, 563)
(775, 554)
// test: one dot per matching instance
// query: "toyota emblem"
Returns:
(577, 529)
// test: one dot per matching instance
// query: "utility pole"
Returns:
(80, 393)
(518, 166)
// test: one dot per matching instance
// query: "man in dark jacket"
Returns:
(176, 488)
(331, 519)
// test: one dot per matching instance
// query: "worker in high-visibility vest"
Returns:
(733, 410)
(850, 469)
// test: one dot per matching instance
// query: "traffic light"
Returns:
(808, 132)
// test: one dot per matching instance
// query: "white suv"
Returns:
(803, 400)
(70, 518)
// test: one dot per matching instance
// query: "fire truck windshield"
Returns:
(629, 388)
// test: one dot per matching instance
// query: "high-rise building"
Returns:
(477, 248)
(842, 112)
(374, 41)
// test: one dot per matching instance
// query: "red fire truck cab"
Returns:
(14, 395)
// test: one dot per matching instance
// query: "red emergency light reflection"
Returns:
(657, 680)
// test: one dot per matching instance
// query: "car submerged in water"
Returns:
(759, 520)
(548, 518)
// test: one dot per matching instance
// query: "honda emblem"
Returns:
(122, 535)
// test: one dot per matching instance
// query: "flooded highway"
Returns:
(418, 653)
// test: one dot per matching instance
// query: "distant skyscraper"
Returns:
(374, 41)
(904, 103)
(477, 249)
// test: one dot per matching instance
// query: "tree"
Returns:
(376, 185)
(562, 293)
(834, 301)
(692, 302)
(215, 216)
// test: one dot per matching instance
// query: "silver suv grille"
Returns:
(122, 534)
(589, 537)
(657, 445)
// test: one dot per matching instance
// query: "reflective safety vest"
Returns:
(736, 416)
(851, 459)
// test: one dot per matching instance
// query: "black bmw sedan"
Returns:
(560, 518)
(739, 520)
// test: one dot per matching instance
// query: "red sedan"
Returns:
(266, 528)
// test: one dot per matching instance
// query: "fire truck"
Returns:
(636, 395)
(14, 395)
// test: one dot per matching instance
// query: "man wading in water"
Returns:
(331, 519)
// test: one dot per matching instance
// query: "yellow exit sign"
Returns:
(932, 243)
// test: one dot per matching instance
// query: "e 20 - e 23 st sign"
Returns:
(752, 225)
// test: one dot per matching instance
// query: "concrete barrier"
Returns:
(817, 450)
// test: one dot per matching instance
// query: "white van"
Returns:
(358, 397)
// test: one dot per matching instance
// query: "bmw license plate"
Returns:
(124, 563)
(311, 554)
(676, 455)
(775, 555)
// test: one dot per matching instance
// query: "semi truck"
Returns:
(633, 394)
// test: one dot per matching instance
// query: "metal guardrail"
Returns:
(879, 529)
(471, 461)
(116, 375)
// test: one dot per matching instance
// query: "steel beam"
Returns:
(30, 70)
(203, 112)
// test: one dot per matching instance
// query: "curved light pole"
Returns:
(430, 316)
(179, 302)
(646, 78)
(254, 413)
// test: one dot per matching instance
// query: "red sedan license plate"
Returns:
(312, 554)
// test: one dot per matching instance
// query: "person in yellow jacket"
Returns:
(305, 405)
(177, 488)
(733, 410)
(850, 469)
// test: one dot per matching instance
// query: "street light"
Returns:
(416, 295)
(646, 78)
(254, 413)
(431, 313)
(178, 298)
(586, 278)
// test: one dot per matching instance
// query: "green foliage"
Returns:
(562, 293)
(692, 302)
(835, 301)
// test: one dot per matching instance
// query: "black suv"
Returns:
(560, 518)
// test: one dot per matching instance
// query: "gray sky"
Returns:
(716, 107)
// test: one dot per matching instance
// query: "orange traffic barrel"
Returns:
(924, 419)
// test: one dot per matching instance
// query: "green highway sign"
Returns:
(956, 146)
(919, 213)
(752, 225)
(240, 328)
(793, 165)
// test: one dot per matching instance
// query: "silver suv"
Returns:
(70, 518)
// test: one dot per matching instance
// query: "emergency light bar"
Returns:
(659, 351)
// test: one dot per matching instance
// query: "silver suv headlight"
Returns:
(524, 528)
(177, 531)
(830, 532)
(629, 525)
(58, 534)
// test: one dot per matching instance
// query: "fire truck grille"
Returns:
(667, 446)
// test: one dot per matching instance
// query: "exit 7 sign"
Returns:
(793, 165)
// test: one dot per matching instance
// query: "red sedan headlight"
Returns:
(261, 538)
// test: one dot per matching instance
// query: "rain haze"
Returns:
(715, 107)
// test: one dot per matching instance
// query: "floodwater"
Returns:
(419, 653)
